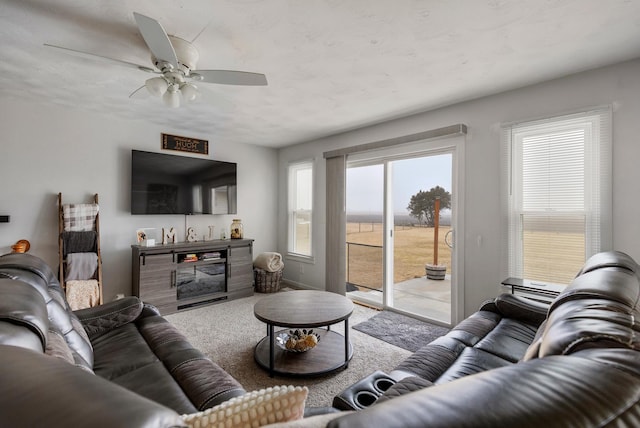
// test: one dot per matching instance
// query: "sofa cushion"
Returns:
(154, 382)
(472, 361)
(475, 327)
(509, 340)
(526, 310)
(430, 361)
(121, 351)
(204, 382)
(124, 357)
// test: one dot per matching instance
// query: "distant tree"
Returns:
(423, 204)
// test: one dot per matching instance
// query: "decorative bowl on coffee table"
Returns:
(297, 341)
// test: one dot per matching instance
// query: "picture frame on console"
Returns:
(146, 237)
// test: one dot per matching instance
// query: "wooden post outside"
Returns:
(436, 225)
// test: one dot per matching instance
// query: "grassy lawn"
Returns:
(413, 249)
(552, 257)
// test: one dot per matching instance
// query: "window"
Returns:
(300, 208)
(559, 204)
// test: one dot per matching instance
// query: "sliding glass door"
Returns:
(399, 223)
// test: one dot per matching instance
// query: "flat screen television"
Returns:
(171, 184)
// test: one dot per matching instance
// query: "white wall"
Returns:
(617, 85)
(46, 150)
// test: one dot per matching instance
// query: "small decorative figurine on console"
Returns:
(211, 236)
(191, 235)
(168, 236)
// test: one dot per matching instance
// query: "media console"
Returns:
(180, 276)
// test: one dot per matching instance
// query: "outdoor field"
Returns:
(413, 250)
(553, 257)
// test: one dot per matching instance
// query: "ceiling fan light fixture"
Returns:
(189, 91)
(171, 98)
(175, 64)
(156, 86)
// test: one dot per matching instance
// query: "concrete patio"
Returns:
(422, 297)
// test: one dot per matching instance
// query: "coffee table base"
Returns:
(328, 356)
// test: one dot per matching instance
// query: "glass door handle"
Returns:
(448, 238)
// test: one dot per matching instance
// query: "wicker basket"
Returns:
(267, 282)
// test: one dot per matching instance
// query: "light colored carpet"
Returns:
(228, 332)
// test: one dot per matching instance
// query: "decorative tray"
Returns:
(297, 341)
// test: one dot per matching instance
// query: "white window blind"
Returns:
(559, 210)
(300, 208)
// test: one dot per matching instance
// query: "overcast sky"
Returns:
(365, 184)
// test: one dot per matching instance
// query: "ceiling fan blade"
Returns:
(156, 39)
(230, 77)
(103, 58)
(140, 93)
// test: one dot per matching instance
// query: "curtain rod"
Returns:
(447, 131)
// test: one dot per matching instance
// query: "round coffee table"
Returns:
(304, 309)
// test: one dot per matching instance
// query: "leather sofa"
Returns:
(573, 363)
(116, 365)
(497, 335)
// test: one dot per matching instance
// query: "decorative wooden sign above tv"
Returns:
(185, 144)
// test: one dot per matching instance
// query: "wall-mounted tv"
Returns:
(171, 184)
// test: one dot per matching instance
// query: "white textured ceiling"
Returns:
(332, 65)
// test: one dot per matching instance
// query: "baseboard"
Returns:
(297, 285)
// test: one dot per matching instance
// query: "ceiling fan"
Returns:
(175, 60)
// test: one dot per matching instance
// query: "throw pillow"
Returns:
(253, 409)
